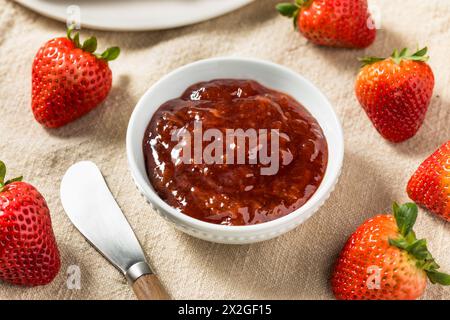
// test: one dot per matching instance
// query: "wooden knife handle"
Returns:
(148, 287)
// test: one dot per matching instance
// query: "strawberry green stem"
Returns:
(90, 45)
(406, 216)
(399, 56)
(3, 183)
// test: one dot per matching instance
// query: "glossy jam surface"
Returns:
(236, 194)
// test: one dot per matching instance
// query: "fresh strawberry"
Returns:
(430, 184)
(333, 23)
(396, 92)
(383, 260)
(28, 252)
(69, 79)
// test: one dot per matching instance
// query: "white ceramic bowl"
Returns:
(268, 74)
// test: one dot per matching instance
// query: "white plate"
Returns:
(135, 15)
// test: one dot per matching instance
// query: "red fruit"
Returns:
(69, 80)
(333, 23)
(383, 260)
(28, 252)
(396, 92)
(430, 184)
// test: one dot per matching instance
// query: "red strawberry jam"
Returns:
(234, 152)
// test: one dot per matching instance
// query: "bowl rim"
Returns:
(152, 196)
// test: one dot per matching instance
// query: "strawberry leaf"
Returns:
(287, 9)
(428, 265)
(292, 10)
(110, 54)
(420, 55)
(405, 216)
(90, 45)
(14, 180)
(69, 31)
(365, 61)
(411, 237)
(439, 277)
(2, 172)
(419, 250)
(295, 20)
(76, 40)
(398, 56)
(303, 3)
(400, 243)
(403, 52)
(2, 177)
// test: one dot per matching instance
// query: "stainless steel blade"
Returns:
(91, 207)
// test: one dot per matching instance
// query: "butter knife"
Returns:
(93, 210)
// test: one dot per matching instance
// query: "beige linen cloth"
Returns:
(294, 266)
